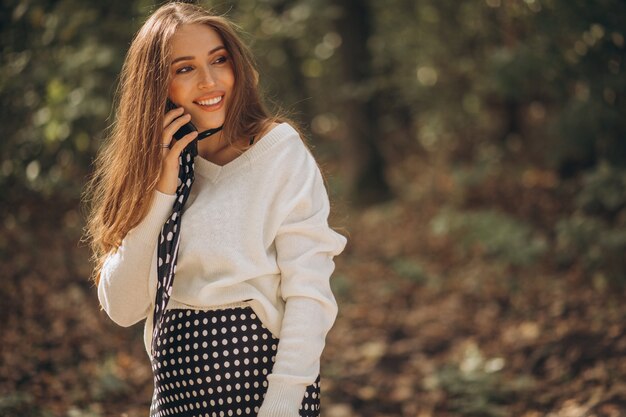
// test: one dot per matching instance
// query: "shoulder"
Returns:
(288, 147)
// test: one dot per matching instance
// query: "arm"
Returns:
(305, 247)
(123, 287)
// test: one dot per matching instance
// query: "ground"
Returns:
(424, 328)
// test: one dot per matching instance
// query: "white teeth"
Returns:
(210, 102)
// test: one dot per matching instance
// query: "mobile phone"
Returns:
(187, 128)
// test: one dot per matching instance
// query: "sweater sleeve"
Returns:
(305, 247)
(123, 288)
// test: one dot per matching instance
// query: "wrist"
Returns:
(282, 399)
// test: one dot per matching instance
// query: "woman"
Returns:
(241, 329)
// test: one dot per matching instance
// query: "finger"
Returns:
(182, 143)
(171, 115)
(166, 150)
(173, 127)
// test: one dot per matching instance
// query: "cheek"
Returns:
(175, 91)
(230, 77)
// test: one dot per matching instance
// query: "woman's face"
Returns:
(202, 76)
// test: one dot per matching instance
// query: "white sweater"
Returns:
(254, 229)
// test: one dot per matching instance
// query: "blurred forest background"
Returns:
(475, 153)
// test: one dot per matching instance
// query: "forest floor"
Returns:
(425, 328)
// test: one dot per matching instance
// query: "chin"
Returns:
(205, 123)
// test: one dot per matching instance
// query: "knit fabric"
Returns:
(253, 230)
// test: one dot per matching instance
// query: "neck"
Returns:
(209, 132)
(217, 147)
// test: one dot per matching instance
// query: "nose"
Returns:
(206, 78)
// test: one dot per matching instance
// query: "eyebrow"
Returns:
(187, 58)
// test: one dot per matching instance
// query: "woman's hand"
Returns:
(174, 120)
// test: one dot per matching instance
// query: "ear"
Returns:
(256, 76)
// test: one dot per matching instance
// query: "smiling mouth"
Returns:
(210, 102)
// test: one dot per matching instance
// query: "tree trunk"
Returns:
(365, 164)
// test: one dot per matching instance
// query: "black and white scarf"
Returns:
(169, 239)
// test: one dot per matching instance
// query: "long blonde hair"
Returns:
(127, 166)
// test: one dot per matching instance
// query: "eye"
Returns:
(184, 69)
(220, 59)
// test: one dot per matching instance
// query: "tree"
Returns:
(365, 164)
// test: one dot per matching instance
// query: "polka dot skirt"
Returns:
(215, 363)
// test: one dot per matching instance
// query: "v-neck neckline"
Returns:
(214, 172)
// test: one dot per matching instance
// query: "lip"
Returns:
(212, 107)
(210, 95)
